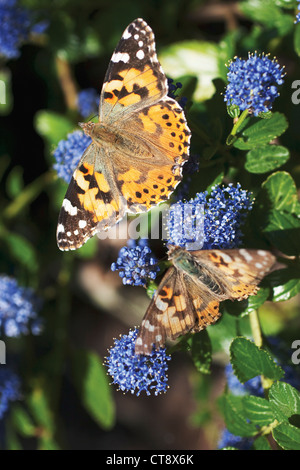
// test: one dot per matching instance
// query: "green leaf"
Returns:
(283, 231)
(267, 13)
(235, 418)
(244, 307)
(297, 39)
(285, 400)
(258, 410)
(249, 361)
(90, 380)
(285, 283)
(14, 182)
(257, 132)
(39, 406)
(287, 436)
(201, 351)
(22, 421)
(20, 249)
(265, 159)
(52, 126)
(261, 443)
(194, 58)
(280, 191)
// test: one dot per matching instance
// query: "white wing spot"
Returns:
(246, 255)
(72, 210)
(69, 234)
(60, 228)
(136, 37)
(120, 56)
(76, 232)
(140, 43)
(126, 34)
(82, 223)
(158, 338)
(258, 265)
(140, 54)
(261, 253)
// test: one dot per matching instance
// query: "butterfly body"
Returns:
(138, 146)
(187, 299)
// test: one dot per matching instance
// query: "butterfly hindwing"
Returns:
(189, 294)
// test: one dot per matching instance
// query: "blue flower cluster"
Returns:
(18, 309)
(252, 83)
(88, 102)
(68, 154)
(297, 20)
(136, 373)
(9, 389)
(230, 440)
(15, 27)
(173, 88)
(225, 211)
(136, 263)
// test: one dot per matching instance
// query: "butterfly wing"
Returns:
(91, 204)
(169, 314)
(237, 271)
(134, 78)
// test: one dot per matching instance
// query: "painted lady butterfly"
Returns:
(138, 147)
(188, 297)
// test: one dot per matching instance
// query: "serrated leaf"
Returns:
(235, 418)
(261, 443)
(280, 191)
(283, 231)
(91, 382)
(258, 132)
(266, 158)
(285, 400)
(287, 436)
(201, 351)
(249, 361)
(258, 410)
(285, 283)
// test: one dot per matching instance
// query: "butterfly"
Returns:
(138, 146)
(187, 299)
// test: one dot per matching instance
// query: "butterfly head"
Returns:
(88, 127)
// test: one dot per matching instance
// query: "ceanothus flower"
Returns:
(136, 263)
(253, 83)
(68, 154)
(16, 24)
(88, 102)
(210, 221)
(19, 308)
(228, 439)
(9, 389)
(137, 373)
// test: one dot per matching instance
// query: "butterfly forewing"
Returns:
(139, 145)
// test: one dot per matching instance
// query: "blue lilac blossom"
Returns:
(88, 102)
(137, 373)
(15, 27)
(136, 263)
(173, 88)
(253, 82)
(217, 219)
(228, 439)
(9, 389)
(18, 309)
(68, 154)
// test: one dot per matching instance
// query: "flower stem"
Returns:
(67, 82)
(232, 136)
(29, 193)
(258, 340)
